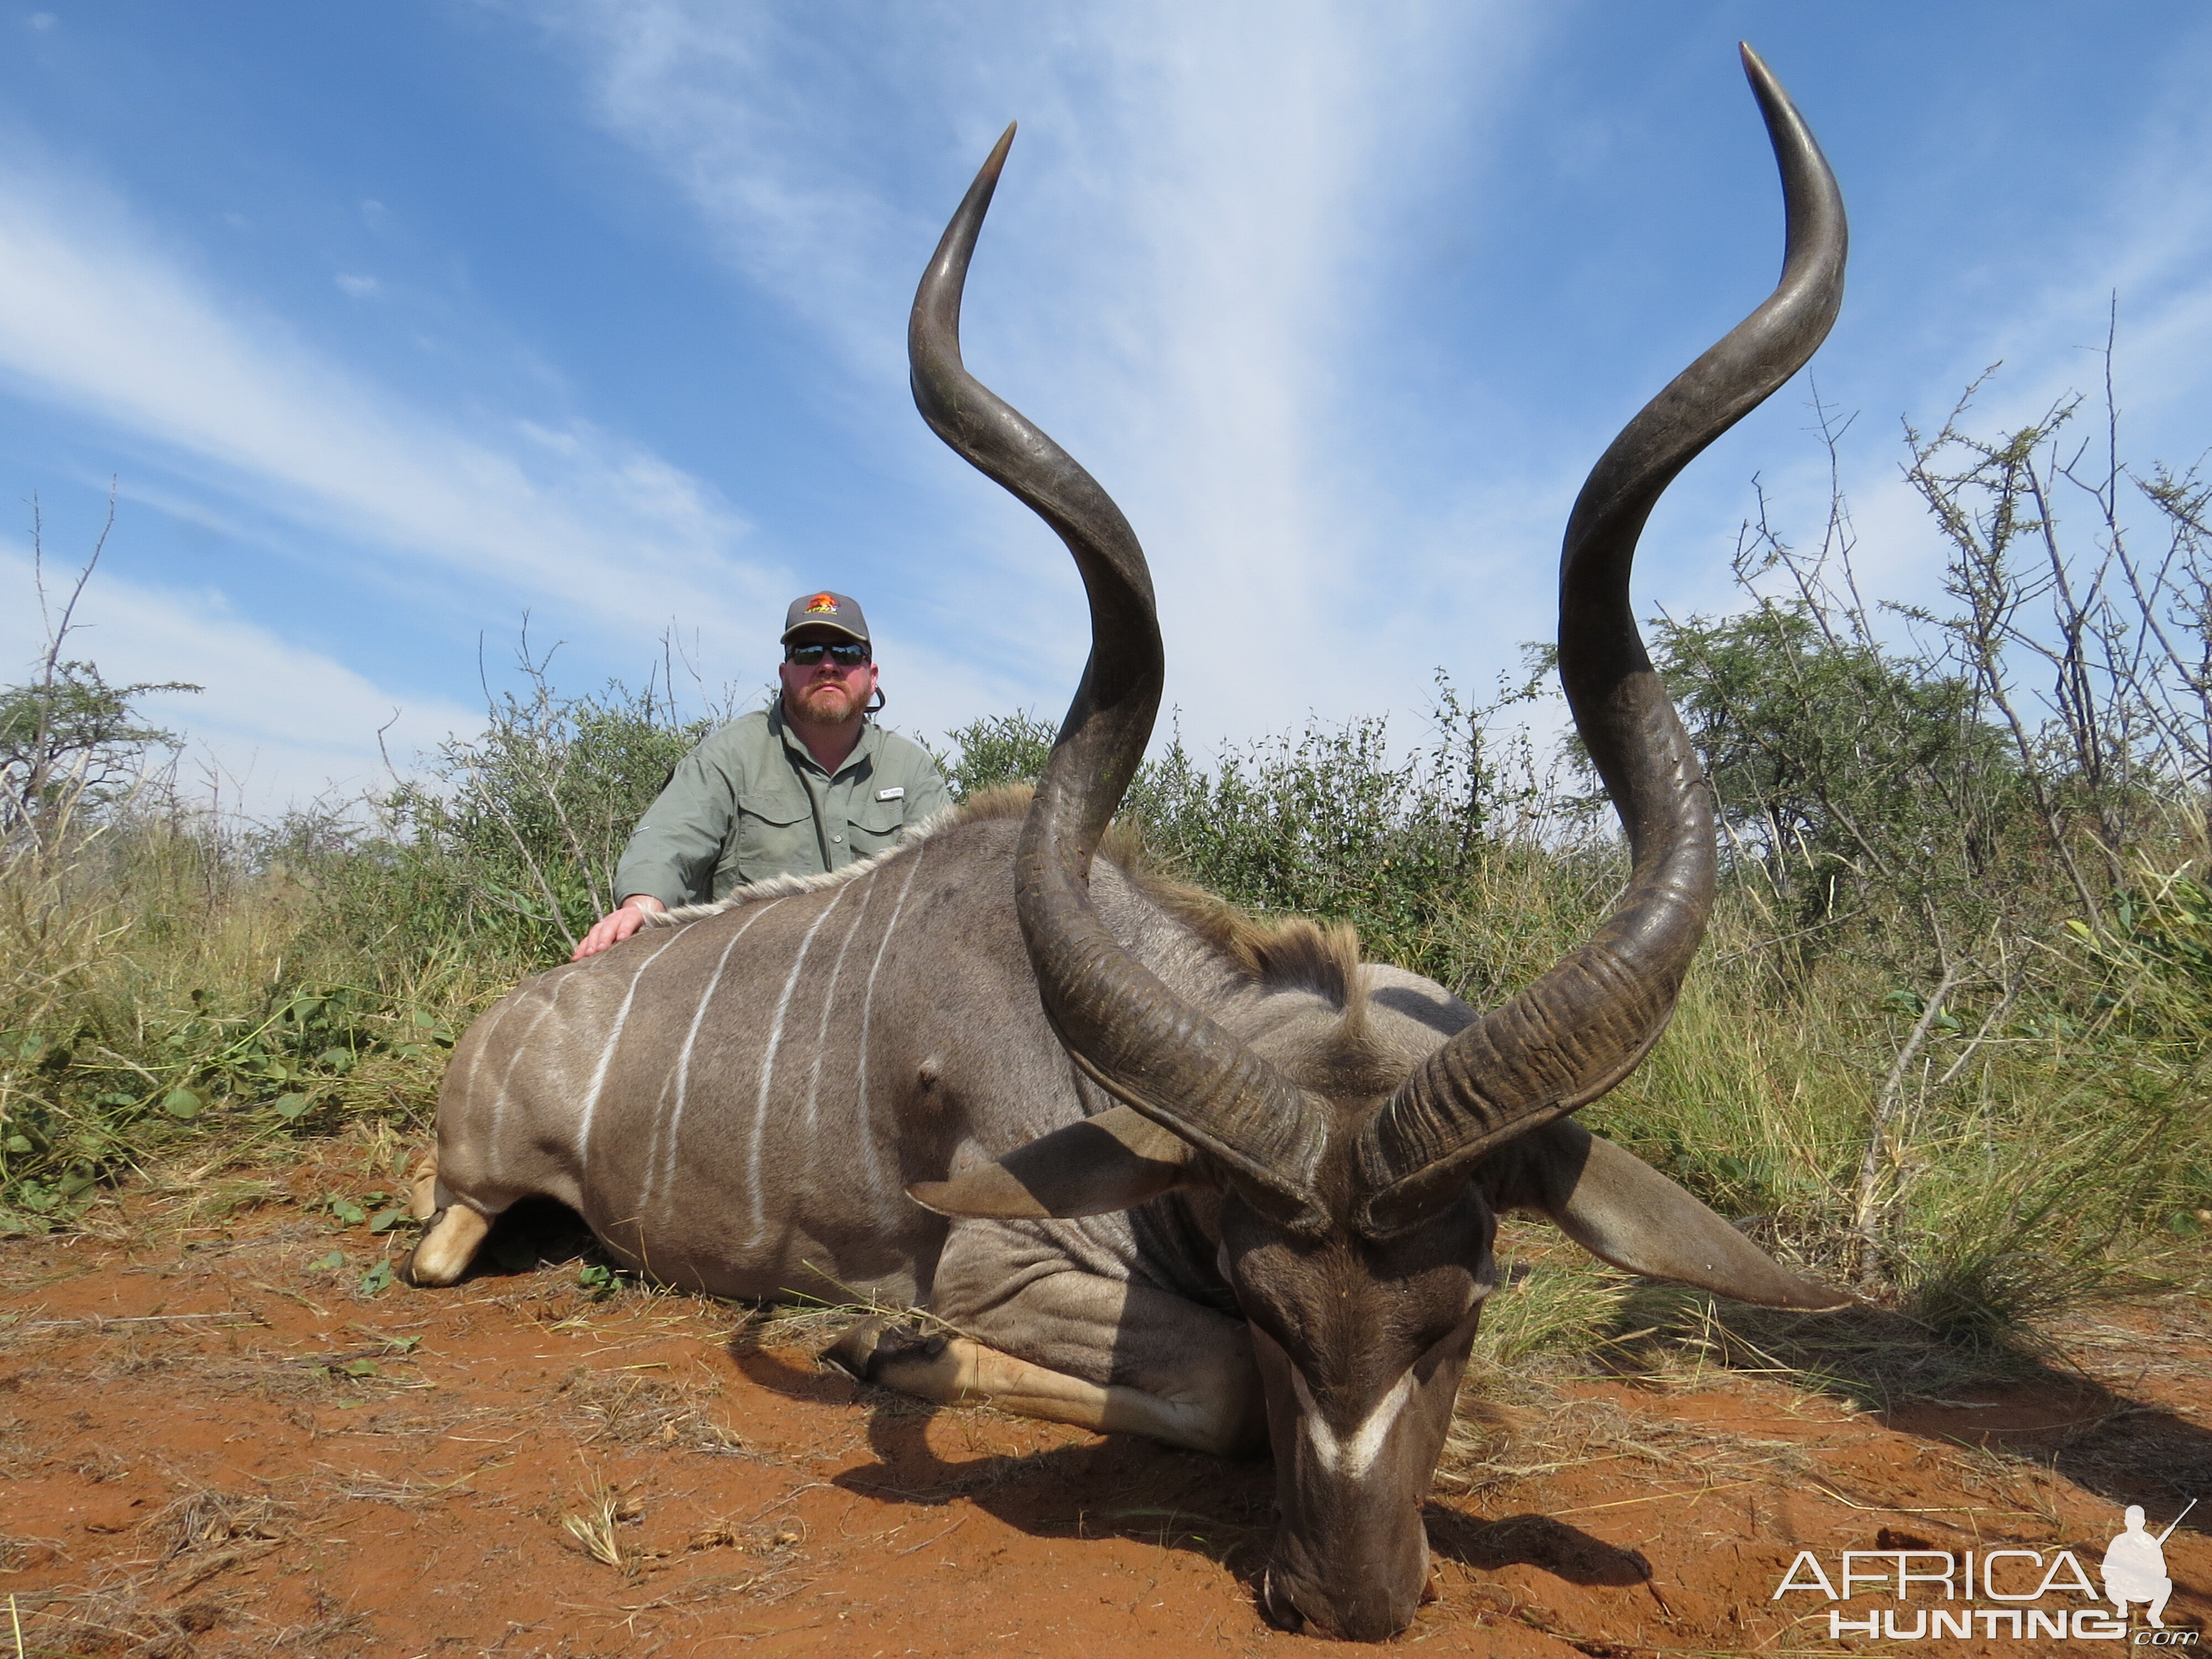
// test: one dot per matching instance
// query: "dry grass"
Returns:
(1559, 1317)
(120, 1620)
(16, 1552)
(208, 1519)
(805, 1324)
(594, 1526)
(163, 997)
(333, 1622)
(632, 1408)
(1550, 1432)
(1871, 1358)
(1552, 1297)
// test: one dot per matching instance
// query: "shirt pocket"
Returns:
(874, 826)
(775, 837)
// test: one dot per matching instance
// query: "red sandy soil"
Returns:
(210, 1444)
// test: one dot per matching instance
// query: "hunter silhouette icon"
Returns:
(2134, 1566)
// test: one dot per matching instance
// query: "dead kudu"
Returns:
(1165, 1169)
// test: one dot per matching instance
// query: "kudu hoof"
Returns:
(864, 1351)
(423, 1189)
(407, 1273)
(448, 1246)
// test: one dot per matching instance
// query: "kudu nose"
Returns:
(1351, 1612)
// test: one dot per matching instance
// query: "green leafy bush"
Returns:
(1947, 1041)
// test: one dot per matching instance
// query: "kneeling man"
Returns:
(802, 787)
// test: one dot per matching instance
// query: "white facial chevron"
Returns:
(1355, 1452)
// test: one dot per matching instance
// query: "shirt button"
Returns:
(836, 838)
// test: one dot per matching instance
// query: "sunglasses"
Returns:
(845, 654)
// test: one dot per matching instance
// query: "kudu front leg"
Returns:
(1158, 1366)
(454, 1236)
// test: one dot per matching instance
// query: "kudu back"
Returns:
(1153, 1166)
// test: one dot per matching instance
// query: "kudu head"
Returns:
(1357, 1206)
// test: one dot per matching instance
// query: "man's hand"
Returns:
(618, 925)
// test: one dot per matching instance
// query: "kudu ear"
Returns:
(1621, 1210)
(1101, 1165)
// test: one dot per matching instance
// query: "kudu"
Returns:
(1258, 1205)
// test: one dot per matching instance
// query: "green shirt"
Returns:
(750, 802)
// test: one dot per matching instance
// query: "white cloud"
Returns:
(274, 722)
(1175, 283)
(2142, 243)
(1170, 281)
(94, 317)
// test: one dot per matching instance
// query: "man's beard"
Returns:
(829, 701)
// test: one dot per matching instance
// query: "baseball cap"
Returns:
(825, 610)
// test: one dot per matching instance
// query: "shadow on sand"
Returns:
(2025, 1403)
(1122, 1486)
(1119, 1486)
(2015, 1396)
(1532, 1540)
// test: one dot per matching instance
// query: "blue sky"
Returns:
(396, 324)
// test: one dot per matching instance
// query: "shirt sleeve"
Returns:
(672, 854)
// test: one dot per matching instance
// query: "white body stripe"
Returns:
(867, 1137)
(496, 1018)
(606, 1059)
(493, 1021)
(658, 1167)
(821, 1032)
(1355, 1454)
(514, 1054)
(768, 1071)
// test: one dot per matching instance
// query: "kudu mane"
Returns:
(1274, 953)
(776, 887)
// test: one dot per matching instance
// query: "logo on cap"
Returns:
(822, 604)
